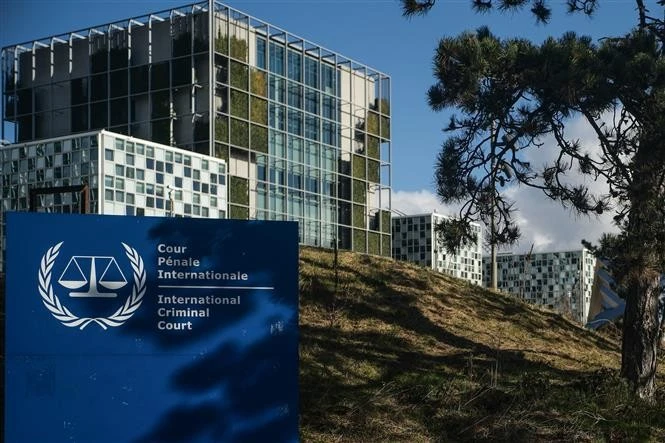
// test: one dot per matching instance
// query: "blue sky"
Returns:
(372, 32)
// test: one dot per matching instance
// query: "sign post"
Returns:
(150, 329)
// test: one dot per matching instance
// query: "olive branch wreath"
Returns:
(66, 317)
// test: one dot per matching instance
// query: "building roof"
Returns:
(259, 25)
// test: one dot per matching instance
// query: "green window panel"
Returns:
(359, 220)
(238, 190)
(222, 129)
(372, 123)
(384, 106)
(373, 173)
(238, 212)
(259, 138)
(239, 104)
(239, 76)
(385, 128)
(359, 240)
(359, 191)
(386, 246)
(259, 110)
(374, 243)
(239, 133)
(259, 83)
(373, 150)
(238, 47)
(386, 221)
(222, 151)
(359, 167)
(222, 43)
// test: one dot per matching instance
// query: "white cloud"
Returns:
(417, 202)
(548, 226)
(544, 223)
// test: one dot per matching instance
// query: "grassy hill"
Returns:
(401, 353)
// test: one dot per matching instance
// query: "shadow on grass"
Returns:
(393, 285)
(373, 363)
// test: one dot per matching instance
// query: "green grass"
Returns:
(402, 353)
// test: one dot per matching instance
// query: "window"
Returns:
(276, 58)
(329, 133)
(312, 127)
(311, 101)
(277, 116)
(261, 53)
(295, 122)
(295, 66)
(329, 107)
(328, 78)
(295, 151)
(295, 95)
(261, 172)
(311, 72)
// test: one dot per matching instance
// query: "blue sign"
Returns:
(150, 329)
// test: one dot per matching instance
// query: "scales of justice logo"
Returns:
(89, 277)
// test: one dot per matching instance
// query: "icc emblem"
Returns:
(102, 276)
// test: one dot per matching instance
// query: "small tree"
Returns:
(521, 93)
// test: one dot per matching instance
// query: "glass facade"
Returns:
(558, 280)
(125, 176)
(415, 241)
(146, 77)
(305, 131)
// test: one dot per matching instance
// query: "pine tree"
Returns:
(510, 94)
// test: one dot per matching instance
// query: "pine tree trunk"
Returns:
(640, 276)
(641, 333)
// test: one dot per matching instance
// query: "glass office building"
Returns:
(122, 176)
(561, 280)
(415, 240)
(305, 131)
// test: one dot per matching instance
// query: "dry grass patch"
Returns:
(401, 353)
